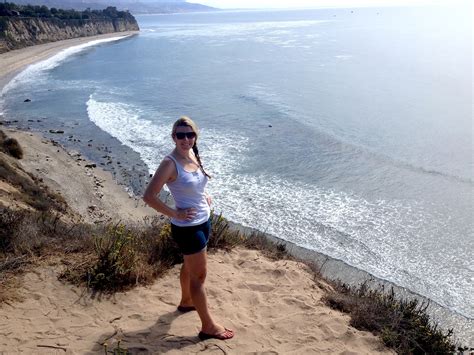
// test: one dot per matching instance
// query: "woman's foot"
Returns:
(219, 332)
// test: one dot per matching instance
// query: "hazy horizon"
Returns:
(299, 4)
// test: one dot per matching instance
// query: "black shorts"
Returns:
(193, 239)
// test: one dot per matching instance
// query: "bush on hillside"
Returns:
(10, 146)
(125, 256)
(403, 325)
(13, 148)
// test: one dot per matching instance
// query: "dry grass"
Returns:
(27, 236)
(10, 146)
(402, 324)
(126, 256)
(225, 237)
(33, 192)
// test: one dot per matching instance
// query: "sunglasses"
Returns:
(189, 135)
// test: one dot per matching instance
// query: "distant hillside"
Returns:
(134, 6)
(28, 25)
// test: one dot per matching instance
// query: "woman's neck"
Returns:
(186, 155)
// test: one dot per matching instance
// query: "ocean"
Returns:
(344, 131)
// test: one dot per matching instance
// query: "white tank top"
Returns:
(188, 191)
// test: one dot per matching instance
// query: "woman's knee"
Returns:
(196, 265)
(198, 276)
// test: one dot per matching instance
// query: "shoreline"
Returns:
(15, 61)
(331, 266)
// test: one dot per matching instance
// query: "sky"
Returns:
(253, 4)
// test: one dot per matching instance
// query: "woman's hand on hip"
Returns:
(186, 214)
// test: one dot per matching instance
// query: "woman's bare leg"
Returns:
(196, 265)
(185, 280)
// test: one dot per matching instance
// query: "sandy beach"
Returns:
(273, 306)
(12, 62)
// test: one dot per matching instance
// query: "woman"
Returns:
(183, 173)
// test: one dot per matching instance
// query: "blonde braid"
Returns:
(196, 153)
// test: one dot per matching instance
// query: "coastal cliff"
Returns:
(25, 32)
(18, 31)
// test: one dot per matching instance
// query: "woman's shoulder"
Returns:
(168, 163)
(167, 169)
(171, 160)
(168, 159)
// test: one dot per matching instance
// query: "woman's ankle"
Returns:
(186, 302)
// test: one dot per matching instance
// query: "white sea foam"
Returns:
(34, 71)
(127, 123)
(341, 225)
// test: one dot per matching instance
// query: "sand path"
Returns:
(274, 307)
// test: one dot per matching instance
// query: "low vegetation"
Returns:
(402, 324)
(120, 257)
(10, 146)
(113, 257)
(35, 11)
(29, 190)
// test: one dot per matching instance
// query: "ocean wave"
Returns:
(34, 71)
(126, 122)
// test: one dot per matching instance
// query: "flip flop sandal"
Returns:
(185, 309)
(225, 335)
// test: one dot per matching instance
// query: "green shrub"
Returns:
(222, 236)
(156, 244)
(116, 262)
(125, 256)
